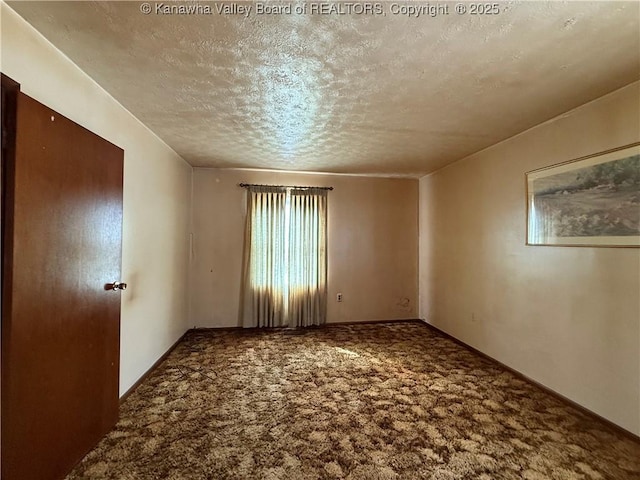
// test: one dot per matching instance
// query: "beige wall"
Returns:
(372, 252)
(157, 193)
(568, 317)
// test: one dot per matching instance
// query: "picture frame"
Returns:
(589, 201)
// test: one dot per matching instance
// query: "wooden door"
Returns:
(61, 319)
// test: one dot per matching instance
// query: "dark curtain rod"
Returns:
(244, 185)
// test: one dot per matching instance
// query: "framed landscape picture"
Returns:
(590, 201)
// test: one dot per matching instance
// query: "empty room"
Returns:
(320, 240)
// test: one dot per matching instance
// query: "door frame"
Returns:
(10, 89)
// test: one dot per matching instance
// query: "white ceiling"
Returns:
(384, 94)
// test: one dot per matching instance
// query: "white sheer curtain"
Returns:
(285, 257)
(307, 292)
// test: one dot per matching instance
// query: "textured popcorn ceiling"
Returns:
(346, 93)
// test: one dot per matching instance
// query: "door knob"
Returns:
(118, 286)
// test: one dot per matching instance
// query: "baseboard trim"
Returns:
(373, 322)
(621, 430)
(328, 324)
(216, 329)
(146, 374)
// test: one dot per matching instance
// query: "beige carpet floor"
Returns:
(370, 401)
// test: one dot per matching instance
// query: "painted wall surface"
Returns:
(157, 194)
(372, 244)
(568, 317)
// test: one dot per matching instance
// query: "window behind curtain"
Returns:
(285, 262)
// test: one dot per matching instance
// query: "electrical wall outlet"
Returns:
(339, 297)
